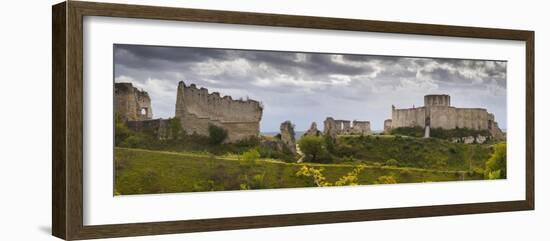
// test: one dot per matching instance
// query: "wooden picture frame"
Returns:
(67, 124)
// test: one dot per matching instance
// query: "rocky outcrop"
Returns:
(288, 137)
(479, 139)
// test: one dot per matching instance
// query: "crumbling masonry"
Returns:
(197, 109)
(132, 104)
(345, 127)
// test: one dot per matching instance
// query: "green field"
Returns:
(140, 171)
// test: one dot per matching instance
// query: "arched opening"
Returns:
(144, 111)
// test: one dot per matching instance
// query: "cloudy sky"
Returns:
(306, 87)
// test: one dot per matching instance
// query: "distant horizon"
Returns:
(306, 87)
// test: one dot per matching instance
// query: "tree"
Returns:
(216, 134)
(495, 167)
(314, 149)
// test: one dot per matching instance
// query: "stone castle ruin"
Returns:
(345, 127)
(132, 104)
(437, 112)
(197, 109)
(312, 131)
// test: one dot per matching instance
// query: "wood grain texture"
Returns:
(530, 120)
(58, 121)
(67, 154)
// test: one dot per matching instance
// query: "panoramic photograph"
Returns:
(190, 119)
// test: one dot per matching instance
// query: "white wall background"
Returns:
(25, 120)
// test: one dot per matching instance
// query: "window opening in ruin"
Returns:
(143, 111)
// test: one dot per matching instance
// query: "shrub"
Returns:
(408, 131)
(216, 134)
(121, 130)
(495, 167)
(494, 175)
(345, 149)
(135, 141)
(406, 173)
(251, 155)
(244, 186)
(316, 175)
(248, 142)
(386, 180)
(318, 179)
(439, 133)
(350, 179)
(391, 162)
(256, 182)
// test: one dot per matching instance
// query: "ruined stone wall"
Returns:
(342, 127)
(132, 104)
(330, 127)
(157, 127)
(445, 117)
(197, 109)
(408, 117)
(361, 127)
(387, 126)
(451, 117)
(312, 131)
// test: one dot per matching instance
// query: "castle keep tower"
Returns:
(197, 109)
(437, 100)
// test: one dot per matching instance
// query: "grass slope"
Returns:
(430, 153)
(145, 171)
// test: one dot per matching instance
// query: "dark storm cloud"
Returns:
(170, 54)
(311, 86)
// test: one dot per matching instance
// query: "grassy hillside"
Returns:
(145, 171)
(431, 153)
